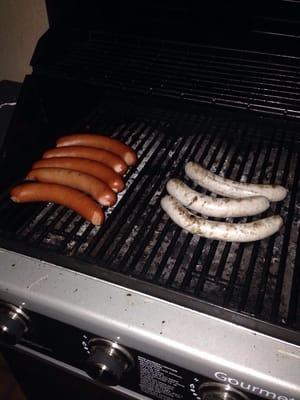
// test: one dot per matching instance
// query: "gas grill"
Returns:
(171, 315)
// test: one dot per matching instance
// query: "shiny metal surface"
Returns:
(198, 342)
(219, 391)
(79, 373)
(14, 323)
(108, 361)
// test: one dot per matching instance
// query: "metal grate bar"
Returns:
(122, 219)
(278, 208)
(178, 231)
(190, 151)
(286, 238)
(202, 241)
(180, 257)
(119, 133)
(294, 305)
(212, 251)
(116, 134)
(254, 255)
(221, 163)
(236, 266)
(155, 184)
(148, 55)
(142, 240)
(141, 156)
(266, 267)
(238, 147)
(208, 73)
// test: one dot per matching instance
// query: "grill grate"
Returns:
(239, 79)
(258, 280)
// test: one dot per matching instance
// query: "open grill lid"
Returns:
(229, 54)
(256, 25)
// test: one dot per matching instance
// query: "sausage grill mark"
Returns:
(102, 142)
(225, 231)
(111, 160)
(99, 190)
(216, 207)
(91, 167)
(59, 194)
(229, 188)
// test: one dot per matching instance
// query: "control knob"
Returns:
(219, 391)
(108, 361)
(14, 323)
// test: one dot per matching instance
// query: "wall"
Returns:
(22, 22)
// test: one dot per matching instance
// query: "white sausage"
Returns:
(216, 207)
(229, 188)
(225, 231)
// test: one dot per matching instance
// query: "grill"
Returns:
(254, 284)
(138, 302)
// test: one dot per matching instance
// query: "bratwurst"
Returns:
(229, 188)
(63, 195)
(99, 190)
(225, 231)
(101, 142)
(216, 207)
(91, 167)
(106, 157)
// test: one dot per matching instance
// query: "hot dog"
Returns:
(102, 142)
(99, 190)
(106, 157)
(216, 207)
(229, 188)
(63, 195)
(225, 231)
(94, 168)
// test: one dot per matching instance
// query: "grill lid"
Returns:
(223, 77)
(252, 24)
(229, 54)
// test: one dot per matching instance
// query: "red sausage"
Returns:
(102, 142)
(106, 157)
(94, 168)
(68, 197)
(99, 190)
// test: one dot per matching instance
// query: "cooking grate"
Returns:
(138, 241)
(239, 79)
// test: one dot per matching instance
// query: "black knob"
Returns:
(108, 361)
(13, 323)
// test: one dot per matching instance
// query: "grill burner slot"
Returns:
(259, 279)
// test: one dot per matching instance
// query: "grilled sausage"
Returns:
(225, 231)
(106, 157)
(63, 195)
(102, 142)
(216, 207)
(94, 168)
(77, 180)
(229, 188)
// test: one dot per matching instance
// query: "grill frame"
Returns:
(101, 271)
